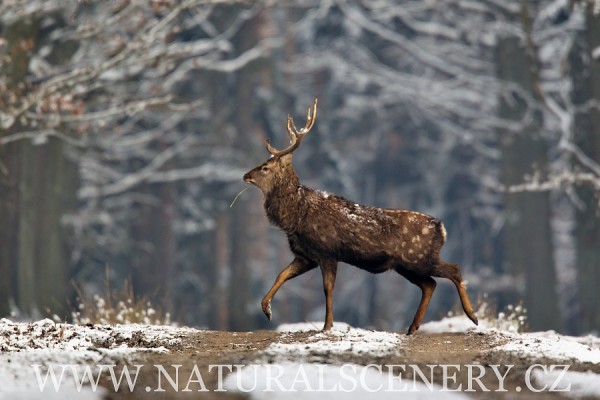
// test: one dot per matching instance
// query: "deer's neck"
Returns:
(285, 204)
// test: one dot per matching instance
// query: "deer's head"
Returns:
(278, 168)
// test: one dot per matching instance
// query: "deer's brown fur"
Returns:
(324, 229)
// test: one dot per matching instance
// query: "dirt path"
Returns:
(466, 355)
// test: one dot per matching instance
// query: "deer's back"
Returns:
(371, 238)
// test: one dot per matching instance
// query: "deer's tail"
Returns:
(441, 230)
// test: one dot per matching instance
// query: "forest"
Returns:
(126, 128)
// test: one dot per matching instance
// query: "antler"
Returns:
(295, 135)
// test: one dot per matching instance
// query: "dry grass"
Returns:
(117, 307)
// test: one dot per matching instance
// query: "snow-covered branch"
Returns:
(560, 182)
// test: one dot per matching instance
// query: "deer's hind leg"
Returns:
(450, 271)
(329, 271)
(296, 268)
(427, 286)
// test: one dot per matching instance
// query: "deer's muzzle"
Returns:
(248, 179)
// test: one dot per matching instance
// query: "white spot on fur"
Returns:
(405, 230)
(410, 251)
(444, 233)
(403, 244)
(425, 231)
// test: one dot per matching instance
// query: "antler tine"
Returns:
(270, 148)
(295, 135)
(310, 118)
(291, 129)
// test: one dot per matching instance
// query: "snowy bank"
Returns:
(535, 345)
(28, 349)
(46, 334)
(551, 345)
(342, 339)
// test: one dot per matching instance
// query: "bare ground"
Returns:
(203, 349)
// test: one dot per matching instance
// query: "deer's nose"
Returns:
(247, 178)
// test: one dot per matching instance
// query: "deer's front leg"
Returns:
(329, 270)
(296, 267)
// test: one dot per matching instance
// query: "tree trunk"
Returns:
(586, 89)
(154, 270)
(37, 186)
(219, 307)
(247, 79)
(55, 188)
(8, 224)
(527, 235)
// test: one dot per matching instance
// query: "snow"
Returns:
(453, 324)
(553, 346)
(301, 381)
(342, 339)
(46, 343)
(311, 326)
(548, 344)
(46, 334)
(323, 193)
(19, 381)
(510, 321)
(571, 384)
(596, 53)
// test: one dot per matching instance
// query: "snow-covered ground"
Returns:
(311, 378)
(295, 361)
(550, 344)
(27, 349)
(342, 339)
(106, 339)
(282, 379)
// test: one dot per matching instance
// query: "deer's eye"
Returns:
(265, 169)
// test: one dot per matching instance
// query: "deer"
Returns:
(324, 229)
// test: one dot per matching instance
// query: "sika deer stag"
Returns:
(324, 229)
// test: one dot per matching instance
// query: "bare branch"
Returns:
(40, 137)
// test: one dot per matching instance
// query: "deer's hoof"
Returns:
(472, 317)
(266, 307)
(412, 330)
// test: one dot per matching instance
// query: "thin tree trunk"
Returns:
(219, 306)
(239, 284)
